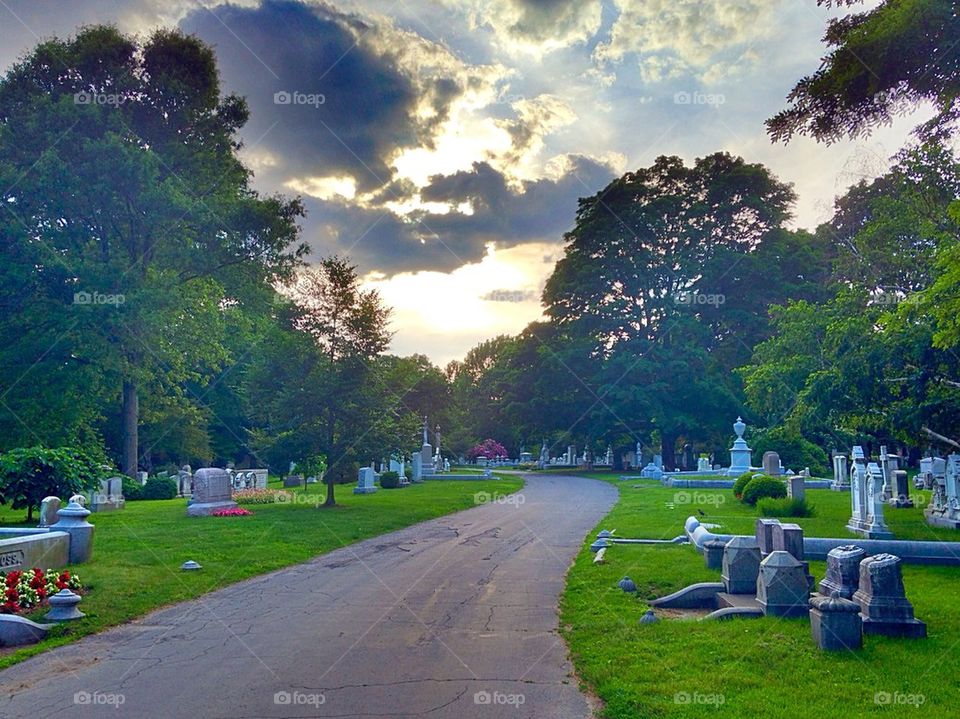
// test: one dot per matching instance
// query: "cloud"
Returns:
(536, 27)
(710, 39)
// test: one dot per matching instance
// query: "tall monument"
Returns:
(740, 453)
(426, 451)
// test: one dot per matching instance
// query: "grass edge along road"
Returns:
(138, 551)
(680, 669)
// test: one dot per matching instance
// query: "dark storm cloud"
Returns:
(354, 105)
(542, 212)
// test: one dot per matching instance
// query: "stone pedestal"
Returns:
(843, 571)
(63, 607)
(211, 491)
(835, 623)
(782, 589)
(741, 565)
(713, 553)
(740, 453)
(884, 607)
(366, 481)
(73, 521)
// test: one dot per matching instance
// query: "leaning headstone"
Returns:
(782, 589)
(900, 490)
(883, 602)
(211, 491)
(771, 464)
(741, 565)
(48, 511)
(795, 488)
(843, 571)
(835, 623)
(366, 481)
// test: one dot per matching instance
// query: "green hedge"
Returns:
(763, 486)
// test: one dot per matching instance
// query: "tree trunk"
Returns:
(668, 450)
(329, 501)
(130, 416)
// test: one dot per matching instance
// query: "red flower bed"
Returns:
(235, 512)
(26, 590)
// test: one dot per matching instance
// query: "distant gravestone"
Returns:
(211, 491)
(185, 481)
(366, 479)
(771, 464)
(796, 488)
(292, 481)
(884, 607)
(900, 490)
(944, 507)
(841, 479)
(417, 467)
(843, 571)
(109, 496)
(48, 511)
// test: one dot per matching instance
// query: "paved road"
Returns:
(455, 617)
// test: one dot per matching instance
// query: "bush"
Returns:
(785, 507)
(28, 474)
(132, 489)
(159, 488)
(763, 486)
(390, 480)
(408, 473)
(742, 481)
(795, 451)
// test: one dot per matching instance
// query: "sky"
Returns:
(442, 146)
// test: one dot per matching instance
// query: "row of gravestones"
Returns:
(858, 595)
(108, 496)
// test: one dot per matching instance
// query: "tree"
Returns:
(318, 386)
(28, 475)
(129, 219)
(881, 63)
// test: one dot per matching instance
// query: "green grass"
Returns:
(760, 668)
(138, 551)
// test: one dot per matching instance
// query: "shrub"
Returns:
(262, 496)
(742, 481)
(28, 474)
(795, 451)
(763, 486)
(389, 480)
(159, 488)
(132, 489)
(408, 473)
(784, 507)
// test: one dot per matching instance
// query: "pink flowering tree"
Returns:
(488, 448)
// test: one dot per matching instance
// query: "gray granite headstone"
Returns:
(211, 491)
(741, 564)
(789, 538)
(782, 589)
(900, 490)
(883, 602)
(843, 571)
(366, 479)
(713, 553)
(796, 488)
(764, 534)
(48, 511)
(835, 623)
(771, 464)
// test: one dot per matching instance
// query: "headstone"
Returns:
(740, 453)
(789, 538)
(652, 471)
(944, 507)
(713, 553)
(185, 482)
(48, 511)
(688, 463)
(796, 488)
(884, 607)
(109, 496)
(900, 489)
(417, 467)
(292, 481)
(835, 623)
(843, 571)
(763, 531)
(446, 465)
(782, 589)
(211, 491)
(741, 565)
(889, 463)
(703, 464)
(366, 481)
(841, 479)
(571, 454)
(867, 495)
(142, 477)
(771, 464)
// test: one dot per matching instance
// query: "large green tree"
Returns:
(128, 221)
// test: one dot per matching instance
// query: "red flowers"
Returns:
(24, 590)
(234, 512)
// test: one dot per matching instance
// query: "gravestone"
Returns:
(763, 533)
(889, 463)
(703, 464)
(417, 467)
(771, 464)
(142, 477)
(185, 482)
(48, 511)
(740, 453)
(211, 491)
(900, 490)
(944, 507)
(796, 488)
(782, 589)
(841, 478)
(884, 607)
(366, 481)
(835, 623)
(109, 496)
(866, 496)
(741, 565)
(713, 553)
(843, 571)
(789, 538)
(292, 481)
(688, 462)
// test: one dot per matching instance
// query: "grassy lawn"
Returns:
(138, 551)
(746, 668)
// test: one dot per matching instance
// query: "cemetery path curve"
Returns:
(455, 617)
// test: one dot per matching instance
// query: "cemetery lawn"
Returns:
(764, 667)
(138, 551)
